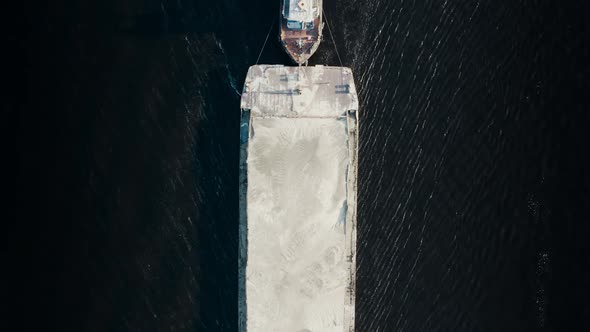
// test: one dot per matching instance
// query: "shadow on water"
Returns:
(171, 21)
(216, 168)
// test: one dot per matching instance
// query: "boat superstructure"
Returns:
(301, 28)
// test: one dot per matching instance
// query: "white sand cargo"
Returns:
(298, 179)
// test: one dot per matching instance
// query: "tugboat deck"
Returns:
(302, 44)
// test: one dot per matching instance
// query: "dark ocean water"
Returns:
(474, 185)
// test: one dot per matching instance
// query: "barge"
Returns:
(298, 187)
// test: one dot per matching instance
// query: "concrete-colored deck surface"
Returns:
(298, 196)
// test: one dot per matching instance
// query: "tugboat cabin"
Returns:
(300, 14)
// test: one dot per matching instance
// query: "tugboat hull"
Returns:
(301, 27)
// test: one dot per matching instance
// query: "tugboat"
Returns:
(301, 28)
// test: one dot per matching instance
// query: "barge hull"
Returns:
(298, 184)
